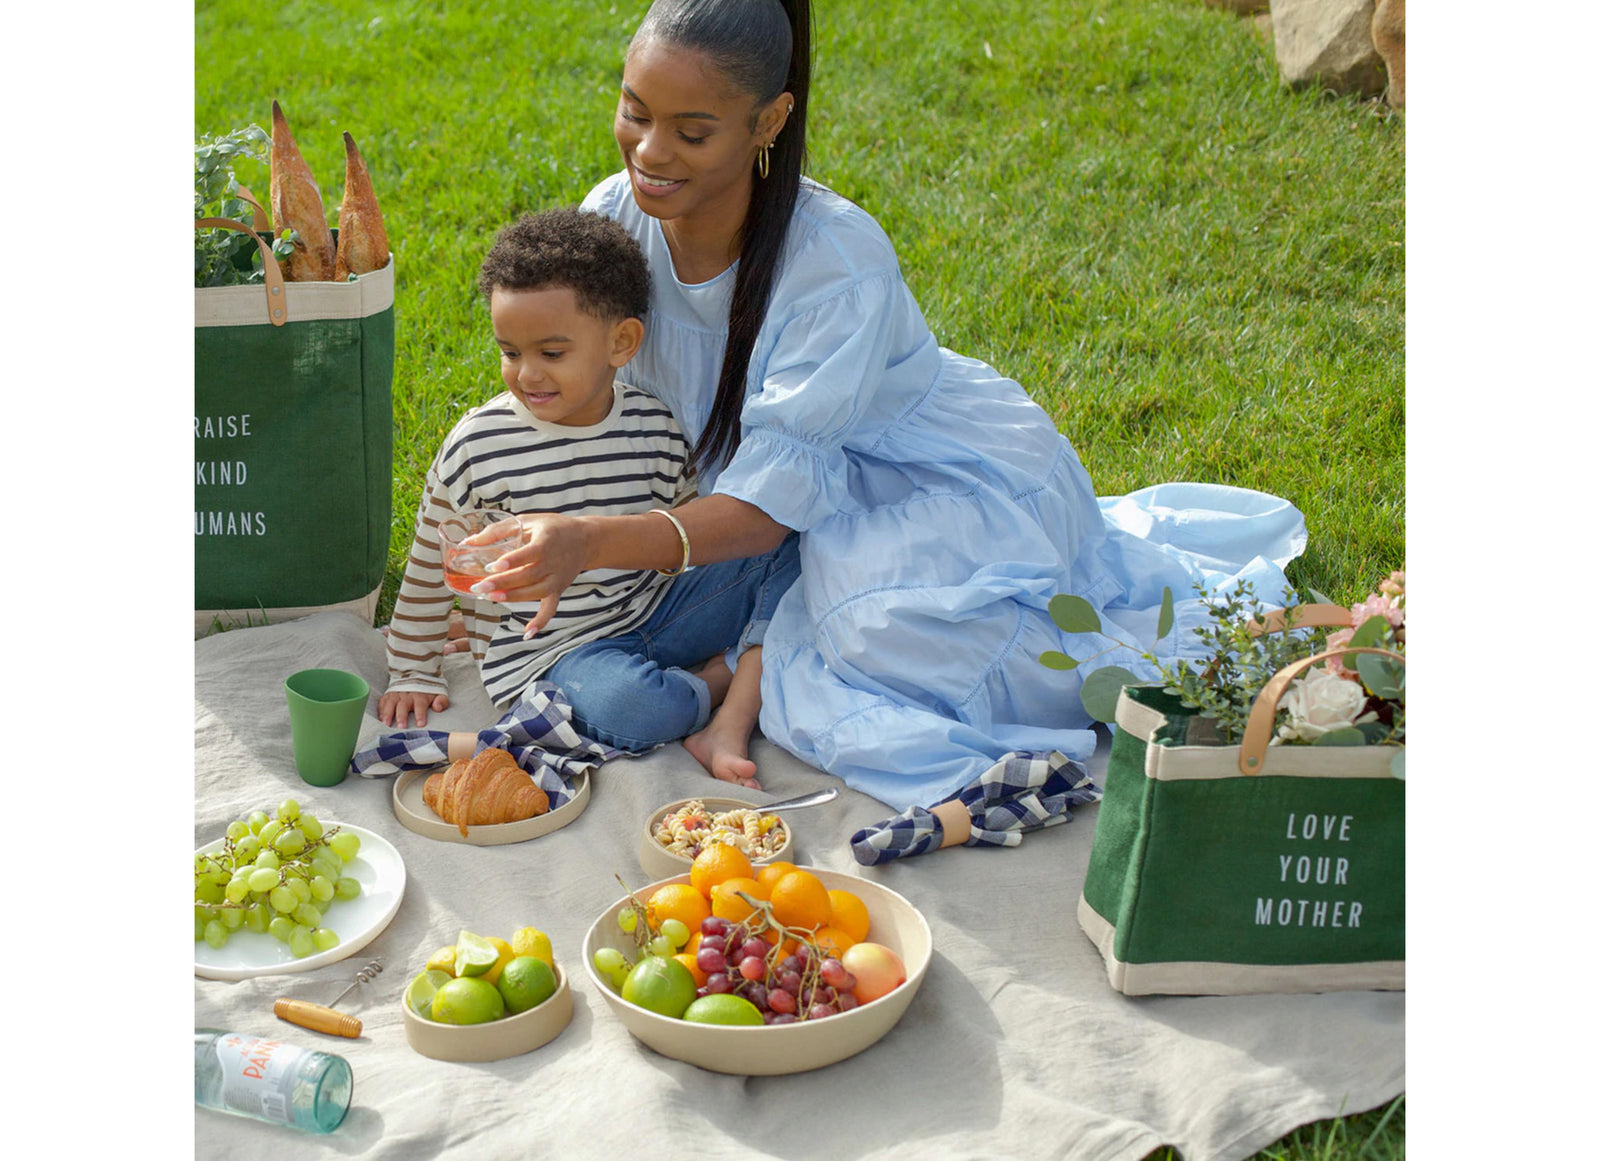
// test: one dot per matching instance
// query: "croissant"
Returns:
(363, 245)
(481, 791)
(297, 204)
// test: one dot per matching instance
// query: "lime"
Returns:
(475, 955)
(660, 985)
(419, 993)
(726, 1008)
(443, 960)
(526, 982)
(532, 941)
(467, 1001)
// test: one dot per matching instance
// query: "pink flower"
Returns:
(1392, 609)
(1337, 639)
(1395, 586)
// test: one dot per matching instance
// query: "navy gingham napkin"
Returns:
(537, 731)
(1023, 791)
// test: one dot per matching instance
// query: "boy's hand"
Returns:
(394, 708)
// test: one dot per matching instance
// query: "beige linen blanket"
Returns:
(1015, 1047)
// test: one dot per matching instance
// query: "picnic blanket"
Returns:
(1014, 1047)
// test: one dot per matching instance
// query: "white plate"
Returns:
(382, 875)
(416, 815)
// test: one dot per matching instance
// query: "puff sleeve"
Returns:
(814, 401)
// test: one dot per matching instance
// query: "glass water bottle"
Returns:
(270, 1080)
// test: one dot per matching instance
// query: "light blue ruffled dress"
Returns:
(940, 511)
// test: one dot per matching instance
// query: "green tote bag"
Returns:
(293, 444)
(1227, 870)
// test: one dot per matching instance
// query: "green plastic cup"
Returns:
(325, 708)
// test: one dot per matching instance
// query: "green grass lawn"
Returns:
(1200, 275)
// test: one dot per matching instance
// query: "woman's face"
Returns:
(686, 135)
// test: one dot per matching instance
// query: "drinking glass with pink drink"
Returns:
(467, 564)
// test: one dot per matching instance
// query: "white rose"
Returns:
(1320, 702)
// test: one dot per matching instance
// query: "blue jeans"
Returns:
(634, 691)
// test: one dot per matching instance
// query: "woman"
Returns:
(939, 508)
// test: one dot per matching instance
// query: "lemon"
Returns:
(443, 960)
(419, 993)
(475, 955)
(467, 1000)
(502, 957)
(526, 982)
(532, 941)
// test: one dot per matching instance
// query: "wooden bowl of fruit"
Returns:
(759, 975)
(676, 833)
(480, 999)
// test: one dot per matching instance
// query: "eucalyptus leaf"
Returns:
(1376, 733)
(1349, 736)
(1381, 676)
(1073, 614)
(1164, 621)
(1397, 764)
(1054, 659)
(1321, 598)
(1101, 690)
(1370, 633)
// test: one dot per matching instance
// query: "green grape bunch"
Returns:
(277, 876)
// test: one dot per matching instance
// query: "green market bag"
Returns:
(1208, 880)
(293, 447)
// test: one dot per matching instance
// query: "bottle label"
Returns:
(258, 1076)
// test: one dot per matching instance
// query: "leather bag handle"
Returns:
(260, 215)
(1258, 728)
(277, 300)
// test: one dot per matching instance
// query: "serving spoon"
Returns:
(815, 798)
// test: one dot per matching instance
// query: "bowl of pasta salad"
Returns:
(678, 831)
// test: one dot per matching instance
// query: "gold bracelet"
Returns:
(682, 535)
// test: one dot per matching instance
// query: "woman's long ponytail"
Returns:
(742, 37)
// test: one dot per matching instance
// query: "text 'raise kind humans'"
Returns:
(226, 473)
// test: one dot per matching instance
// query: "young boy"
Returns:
(567, 294)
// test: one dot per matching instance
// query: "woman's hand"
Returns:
(554, 551)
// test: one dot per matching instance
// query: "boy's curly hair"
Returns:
(588, 253)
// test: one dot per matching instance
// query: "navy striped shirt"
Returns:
(500, 456)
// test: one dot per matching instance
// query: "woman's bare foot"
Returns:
(724, 753)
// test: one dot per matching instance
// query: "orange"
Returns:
(718, 863)
(726, 904)
(800, 900)
(769, 875)
(682, 902)
(688, 961)
(832, 941)
(849, 915)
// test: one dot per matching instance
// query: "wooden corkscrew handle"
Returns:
(317, 1017)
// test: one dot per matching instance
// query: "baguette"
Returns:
(297, 205)
(363, 245)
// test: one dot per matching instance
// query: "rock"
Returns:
(1327, 43)
(1389, 38)
(1240, 7)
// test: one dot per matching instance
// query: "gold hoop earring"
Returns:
(761, 159)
